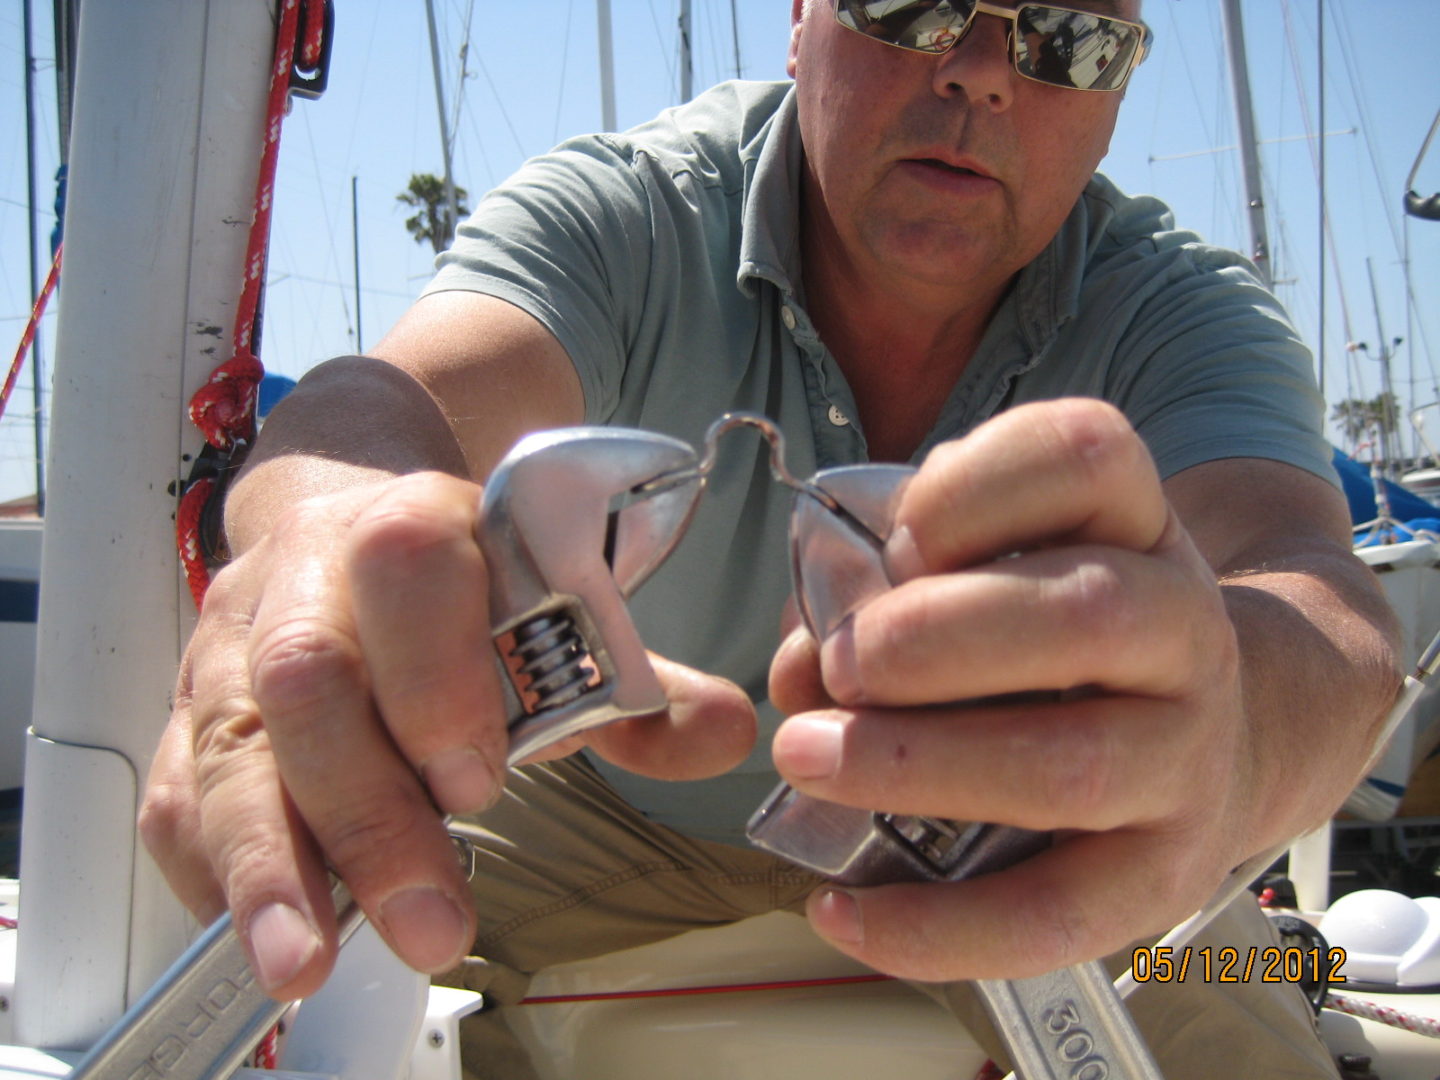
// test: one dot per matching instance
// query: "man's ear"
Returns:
(797, 24)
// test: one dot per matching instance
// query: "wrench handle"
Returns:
(1068, 1025)
(203, 1015)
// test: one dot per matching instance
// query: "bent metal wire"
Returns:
(1057, 46)
(728, 422)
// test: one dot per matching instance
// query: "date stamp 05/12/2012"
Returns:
(1229, 964)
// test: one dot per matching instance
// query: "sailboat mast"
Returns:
(735, 34)
(1245, 123)
(452, 205)
(355, 259)
(607, 65)
(153, 268)
(687, 66)
(1389, 436)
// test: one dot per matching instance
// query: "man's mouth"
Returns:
(937, 163)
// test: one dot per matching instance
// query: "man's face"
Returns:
(947, 171)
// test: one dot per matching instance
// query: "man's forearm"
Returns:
(350, 421)
(1319, 661)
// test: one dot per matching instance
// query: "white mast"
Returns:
(687, 65)
(1245, 123)
(169, 110)
(452, 204)
(607, 66)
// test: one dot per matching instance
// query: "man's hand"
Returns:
(340, 693)
(341, 690)
(1041, 553)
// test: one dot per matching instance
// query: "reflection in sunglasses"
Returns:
(1054, 45)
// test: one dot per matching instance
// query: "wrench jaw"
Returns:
(838, 565)
(837, 559)
(851, 846)
(837, 562)
(567, 536)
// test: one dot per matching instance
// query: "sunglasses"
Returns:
(1052, 45)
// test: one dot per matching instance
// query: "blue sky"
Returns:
(527, 83)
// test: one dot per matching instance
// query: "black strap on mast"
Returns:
(1417, 205)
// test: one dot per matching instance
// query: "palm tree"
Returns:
(431, 221)
(1358, 417)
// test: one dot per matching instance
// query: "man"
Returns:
(907, 247)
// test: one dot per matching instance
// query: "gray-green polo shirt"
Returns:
(666, 260)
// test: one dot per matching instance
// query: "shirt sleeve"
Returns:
(565, 240)
(1211, 368)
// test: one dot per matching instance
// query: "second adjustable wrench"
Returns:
(1066, 1025)
(572, 521)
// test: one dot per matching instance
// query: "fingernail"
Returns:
(460, 781)
(283, 942)
(835, 914)
(426, 928)
(808, 747)
(902, 557)
(838, 666)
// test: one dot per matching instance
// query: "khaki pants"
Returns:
(566, 870)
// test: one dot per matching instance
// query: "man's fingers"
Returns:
(169, 820)
(1051, 619)
(418, 587)
(273, 879)
(708, 729)
(1071, 469)
(1040, 763)
(1050, 911)
(361, 800)
(795, 679)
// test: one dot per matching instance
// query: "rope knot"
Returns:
(224, 408)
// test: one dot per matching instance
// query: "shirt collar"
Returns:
(770, 215)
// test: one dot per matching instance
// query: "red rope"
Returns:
(267, 1052)
(187, 534)
(1384, 1014)
(313, 47)
(28, 338)
(224, 408)
(691, 991)
(7, 923)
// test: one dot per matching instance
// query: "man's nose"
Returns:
(979, 66)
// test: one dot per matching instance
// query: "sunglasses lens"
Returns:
(1070, 48)
(922, 25)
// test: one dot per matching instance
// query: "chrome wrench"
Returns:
(571, 523)
(1068, 1024)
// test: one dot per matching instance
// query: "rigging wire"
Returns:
(1385, 190)
(1314, 147)
(462, 75)
(1202, 113)
(712, 43)
(500, 104)
(1273, 179)
(479, 145)
(735, 34)
(1367, 125)
(671, 60)
(330, 253)
(564, 71)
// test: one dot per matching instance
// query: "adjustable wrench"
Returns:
(1067, 1025)
(571, 523)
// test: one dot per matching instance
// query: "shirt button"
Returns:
(838, 418)
(787, 317)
